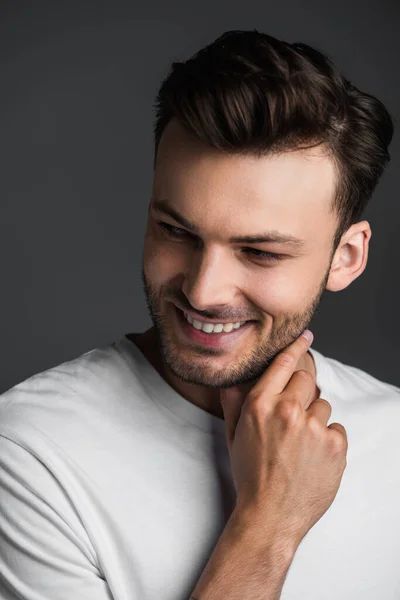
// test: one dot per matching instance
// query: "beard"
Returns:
(246, 368)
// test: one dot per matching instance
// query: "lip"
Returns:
(221, 340)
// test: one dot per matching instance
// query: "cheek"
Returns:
(272, 293)
(160, 263)
(283, 290)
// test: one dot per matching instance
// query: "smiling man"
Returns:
(115, 476)
(206, 259)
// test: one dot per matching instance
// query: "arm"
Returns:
(246, 564)
(43, 550)
(287, 466)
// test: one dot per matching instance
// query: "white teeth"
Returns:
(211, 328)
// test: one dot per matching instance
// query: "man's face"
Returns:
(235, 195)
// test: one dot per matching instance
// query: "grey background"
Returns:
(78, 82)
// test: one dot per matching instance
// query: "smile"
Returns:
(213, 327)
(223, 340)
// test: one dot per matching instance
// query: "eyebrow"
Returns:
(271, 237)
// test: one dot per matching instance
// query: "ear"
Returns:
(350, 258)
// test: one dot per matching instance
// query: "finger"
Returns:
(231, 403)
(338, 427)
(277, 375)
(321, 409)
(301, 387)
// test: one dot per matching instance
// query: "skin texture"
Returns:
(235, 195)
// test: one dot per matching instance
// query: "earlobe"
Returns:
(350, 258)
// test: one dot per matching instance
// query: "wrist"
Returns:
(262, 534)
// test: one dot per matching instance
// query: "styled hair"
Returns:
(250, 93)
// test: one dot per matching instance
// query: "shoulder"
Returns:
(61, 397)
(348, 381)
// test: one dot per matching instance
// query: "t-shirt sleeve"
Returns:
(43, 553)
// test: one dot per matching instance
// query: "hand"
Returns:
(286, 463)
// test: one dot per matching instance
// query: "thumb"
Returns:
(232, 400)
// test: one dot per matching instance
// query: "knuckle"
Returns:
(257, 405)
(305, 375)
(322, 402)
(288, 410)
(328, 404)
(314, 425)
(285, 359)
(337, 442)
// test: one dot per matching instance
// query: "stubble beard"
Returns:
(201, 370)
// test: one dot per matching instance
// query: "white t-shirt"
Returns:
(113, 486)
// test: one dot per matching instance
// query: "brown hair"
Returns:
(250, 93)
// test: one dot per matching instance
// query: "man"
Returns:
(116, 477)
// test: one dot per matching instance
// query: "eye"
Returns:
(179, 233)
(271, 256)
(170, 229)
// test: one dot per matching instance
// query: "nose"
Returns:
(210, 283)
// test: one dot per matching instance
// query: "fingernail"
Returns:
(308, 335)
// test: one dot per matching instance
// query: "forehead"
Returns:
(291, 191)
